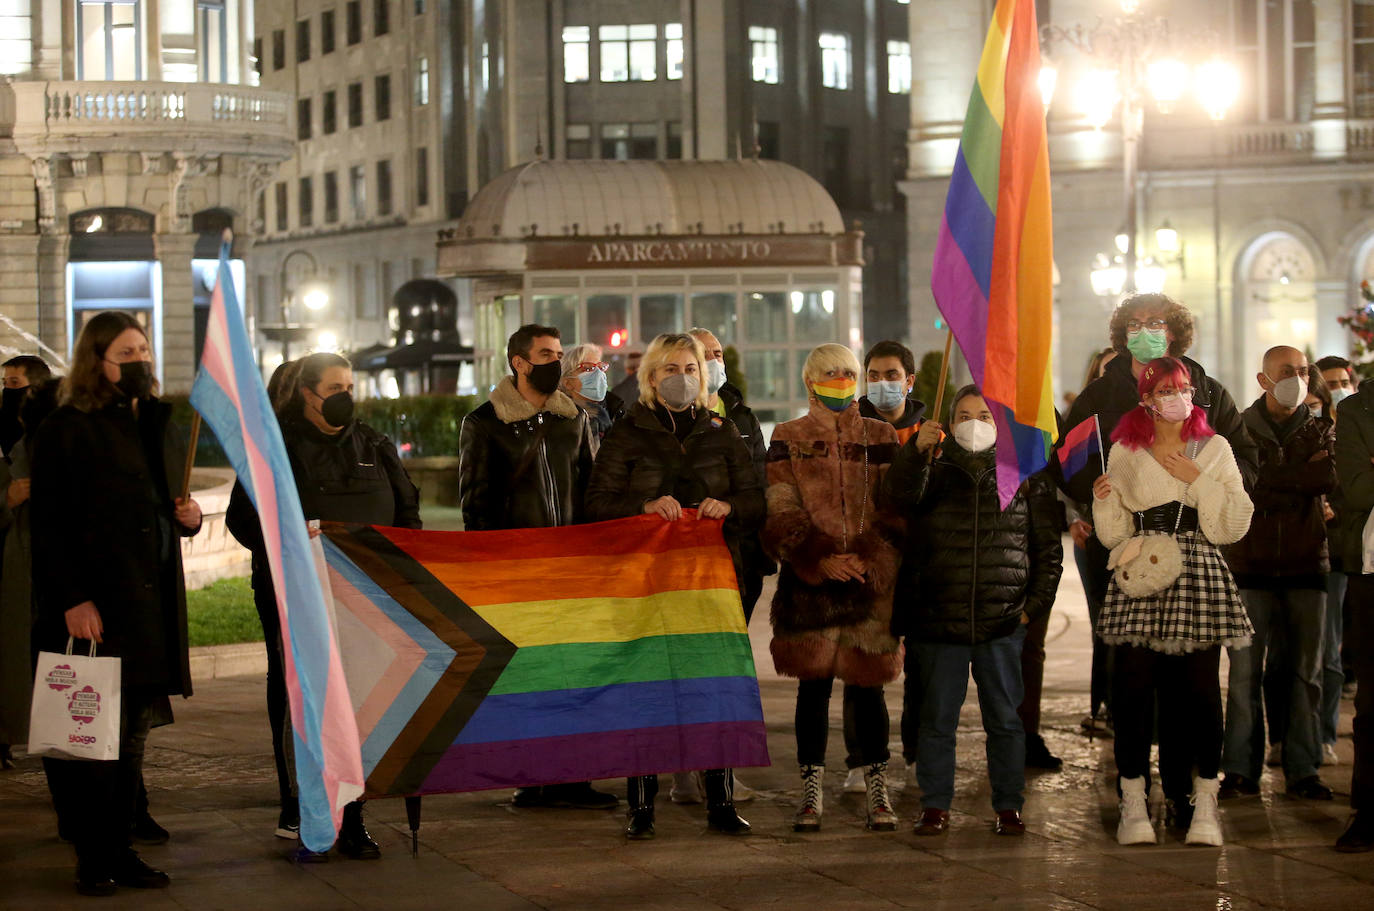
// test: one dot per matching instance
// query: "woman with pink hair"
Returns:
(1171, 474)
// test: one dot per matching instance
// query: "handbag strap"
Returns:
(71, 642)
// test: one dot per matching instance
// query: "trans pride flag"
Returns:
(992, 276)
(230, 396)
(488, 659)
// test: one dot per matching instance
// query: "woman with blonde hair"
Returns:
(670, 453)
(832, 611)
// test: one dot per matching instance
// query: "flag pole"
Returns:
(944, 375)
(190, 455)
(1101, 453)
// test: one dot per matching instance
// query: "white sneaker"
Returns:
(1205, 828)
(1329, 756)
(687, 787)
(854, 782)
(1275, 755)
(1135, 827)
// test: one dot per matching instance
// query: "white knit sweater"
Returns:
(1139, 483)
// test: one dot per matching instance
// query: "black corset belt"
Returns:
(1162, 518)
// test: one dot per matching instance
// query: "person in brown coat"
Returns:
(832, 611)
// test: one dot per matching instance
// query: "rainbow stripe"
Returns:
(837, 392)
(992, 275)
(229, 394)
(506, 658)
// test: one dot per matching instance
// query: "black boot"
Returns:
(354, 840)
(94, 872)
(720, 803)
(640, 792)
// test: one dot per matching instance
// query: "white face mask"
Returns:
(975, 435)
(715, 376)
(1289, 392)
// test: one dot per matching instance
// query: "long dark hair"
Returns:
(309, 373)
(86, 387)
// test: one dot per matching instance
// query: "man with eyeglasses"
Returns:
(524, 458)
(1280, 566)
(1145, 327)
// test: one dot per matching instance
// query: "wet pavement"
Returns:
(211, 783)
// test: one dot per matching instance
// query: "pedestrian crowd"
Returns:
(1211, 528)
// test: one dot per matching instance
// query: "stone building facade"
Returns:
(131, 134)
(1273, 205)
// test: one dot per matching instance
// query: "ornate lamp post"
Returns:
(1135, 60)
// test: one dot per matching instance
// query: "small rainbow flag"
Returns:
(1078, 447)
(992, 275)
(493, 659)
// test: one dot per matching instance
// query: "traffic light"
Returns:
(618, 338)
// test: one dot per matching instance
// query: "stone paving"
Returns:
(211, 784)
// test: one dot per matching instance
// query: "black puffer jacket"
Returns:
(969, 569)
(355, 476)
(641, 460)
(499, 486)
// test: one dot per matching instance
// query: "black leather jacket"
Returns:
(969, 568)
(641, 460)
(522, 468)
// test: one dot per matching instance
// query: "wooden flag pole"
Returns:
(944, 375)
(191, 455)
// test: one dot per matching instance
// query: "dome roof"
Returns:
(555, 199)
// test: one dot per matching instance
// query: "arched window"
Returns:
(1278, 304)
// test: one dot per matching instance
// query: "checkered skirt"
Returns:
(1201, 609)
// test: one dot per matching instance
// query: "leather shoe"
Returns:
(1009, 823)
(131, 870)
(641, 824)
(94, 879)
(723, 818)
(933, 821)
(1310, 788)
(1358, 837)
(1233, 785)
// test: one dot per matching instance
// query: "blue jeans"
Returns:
(1290, 622)
(1333, 672)
(944, 681)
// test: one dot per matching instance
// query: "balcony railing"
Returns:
(58, 111)
(1251, 144)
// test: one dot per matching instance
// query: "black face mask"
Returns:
(337, 410)
(136, 379)
(545, 377)
(11, 399)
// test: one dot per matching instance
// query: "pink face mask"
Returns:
(1174, 408)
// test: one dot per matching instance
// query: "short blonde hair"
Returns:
(829, 356)
(662, 348)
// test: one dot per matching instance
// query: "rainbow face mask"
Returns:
(836, 394)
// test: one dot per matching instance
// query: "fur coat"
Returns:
(824, 473)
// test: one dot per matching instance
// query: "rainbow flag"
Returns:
(992, 276)
(229, 394)
(492, 659)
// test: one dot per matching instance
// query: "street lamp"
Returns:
(313, 293)
(1134, 57)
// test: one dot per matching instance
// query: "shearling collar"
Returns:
(511, 406)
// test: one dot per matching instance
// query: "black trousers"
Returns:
(265, 600)
(1188, 692)
(865, 723)
(1360, 639)
(95, 800)
(912, 694)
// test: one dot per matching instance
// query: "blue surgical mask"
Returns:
(593, 384)
(715, 376)
(887, 395)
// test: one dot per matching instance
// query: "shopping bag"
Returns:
(75, 713)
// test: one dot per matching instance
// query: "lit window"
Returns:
(673, 49)
(899, 67)
(628, 53)
(109, 44)
(15, 40)
(763, 44)
(422, 81)
(835, 60)
(486, 66)
(577, 53)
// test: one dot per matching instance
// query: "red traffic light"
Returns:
(618, 338)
